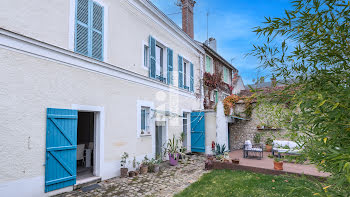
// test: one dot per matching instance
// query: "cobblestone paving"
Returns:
(169, 181)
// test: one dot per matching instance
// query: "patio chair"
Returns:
(255, 149)
(80, 152)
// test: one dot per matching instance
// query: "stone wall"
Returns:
(243, 130)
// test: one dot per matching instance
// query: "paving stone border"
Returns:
(167, 182)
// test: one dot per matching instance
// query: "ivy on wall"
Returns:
(231, 101)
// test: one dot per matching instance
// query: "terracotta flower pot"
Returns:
(143, 169)
(235, 161)
(123, 172)
(132, 174)
(278, 165)
(268, 148)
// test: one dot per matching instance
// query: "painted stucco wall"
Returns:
(128, 25)
(29, 85)
(210, 130)
(221, 126)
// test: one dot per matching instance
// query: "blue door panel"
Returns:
(198, 132)
(61, 148)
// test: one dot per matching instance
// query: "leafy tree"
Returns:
(310, 48)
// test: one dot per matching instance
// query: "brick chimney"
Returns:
(187, 17)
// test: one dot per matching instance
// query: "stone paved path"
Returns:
(169, 181)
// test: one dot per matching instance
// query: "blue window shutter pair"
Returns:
(170, 67)
(152, 57)
(89, 27)
(180, 60)
(191, 78)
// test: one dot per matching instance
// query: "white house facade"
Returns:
(97, 77)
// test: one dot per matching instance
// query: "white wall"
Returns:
(128, 25)
(29, 85)
(221, 125)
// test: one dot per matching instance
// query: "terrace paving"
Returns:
(267, 163)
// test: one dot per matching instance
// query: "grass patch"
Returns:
(241, 183)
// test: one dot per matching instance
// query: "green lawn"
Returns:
(241, 183)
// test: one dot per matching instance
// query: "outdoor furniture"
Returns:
(80, 152)
(286, 147)
(255, 150)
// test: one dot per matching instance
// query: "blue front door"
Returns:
(198, 132)
(61, 148)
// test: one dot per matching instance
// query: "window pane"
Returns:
(143, 119)
(145, 56)
(185, 74)
(208, 64)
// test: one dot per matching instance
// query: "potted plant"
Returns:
(257, 138)
(144, 165)
(123, 169)
(173, 150)
(133, 173)
(221, 153)
(153, 165)
(277, 163)
(268, 144)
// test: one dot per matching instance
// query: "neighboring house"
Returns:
(83, 81)
(217, 70)
(238, 85)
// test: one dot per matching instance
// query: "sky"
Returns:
(231, 23)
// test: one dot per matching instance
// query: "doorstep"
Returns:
(86, 182)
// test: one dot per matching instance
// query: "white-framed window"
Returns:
(216, 96)
(209, 64)
(226, 75)
(186, 74)
(145, 121)
(145, 56)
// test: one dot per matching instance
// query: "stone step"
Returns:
(86, 182)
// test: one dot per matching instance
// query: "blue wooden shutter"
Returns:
(170, 67)
(97, 31)
(198, 132)
(152, 57)
(191, 78)
(61, 148)
(82, 27)
(180, 72)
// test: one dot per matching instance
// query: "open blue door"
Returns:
(61, 148)
(198, 132)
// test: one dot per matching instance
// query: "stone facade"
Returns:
(243, 130)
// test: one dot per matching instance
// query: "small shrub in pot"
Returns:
(144, 165)
(124, 169)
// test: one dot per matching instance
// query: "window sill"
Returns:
(145, 135)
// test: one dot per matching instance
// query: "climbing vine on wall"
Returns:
(214, 82)
(230, 103)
